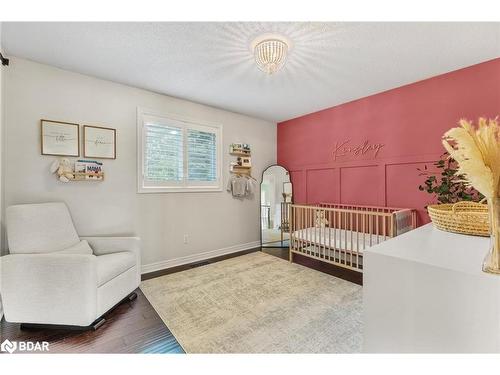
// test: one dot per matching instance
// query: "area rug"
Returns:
(258, 303)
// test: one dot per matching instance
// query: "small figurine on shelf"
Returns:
(62, 167)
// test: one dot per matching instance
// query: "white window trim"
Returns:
(194, 187)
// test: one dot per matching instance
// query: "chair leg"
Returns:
(98, 323)
(132, 296)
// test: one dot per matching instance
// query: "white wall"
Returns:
(212, 221)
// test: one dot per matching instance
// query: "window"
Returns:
(178, 155)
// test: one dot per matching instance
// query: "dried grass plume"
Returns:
(477, 151)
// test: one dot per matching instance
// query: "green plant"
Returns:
(445, 184)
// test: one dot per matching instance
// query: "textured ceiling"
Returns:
(211, 63)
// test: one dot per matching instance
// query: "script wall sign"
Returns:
(347, 148)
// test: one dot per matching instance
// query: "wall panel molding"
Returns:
(306, 178)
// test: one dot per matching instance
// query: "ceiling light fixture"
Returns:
(270, 52)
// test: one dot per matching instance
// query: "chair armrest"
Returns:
(109, 245)
(49, 288)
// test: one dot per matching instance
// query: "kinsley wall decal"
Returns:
(410, 119)
(347, 148)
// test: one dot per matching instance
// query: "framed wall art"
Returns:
(99, 142)
(60, 138)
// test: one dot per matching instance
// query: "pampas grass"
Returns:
(477, 151)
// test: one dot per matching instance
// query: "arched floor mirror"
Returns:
(276, 196)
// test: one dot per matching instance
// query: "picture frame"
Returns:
(59, 138)
(99, 142)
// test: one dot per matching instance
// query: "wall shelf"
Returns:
(241, 167)
(240, 153)
(82, 176)
(243, 155)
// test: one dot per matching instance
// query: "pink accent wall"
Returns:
(409, 121)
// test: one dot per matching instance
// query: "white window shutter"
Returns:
(163, 159)
(201, 155)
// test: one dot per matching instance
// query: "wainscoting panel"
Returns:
(402, 181)
(391, 182)
(299, 183)
(322, 185)
(361, 185)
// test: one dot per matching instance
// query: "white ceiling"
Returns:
(211, 63)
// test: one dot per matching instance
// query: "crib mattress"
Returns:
(335, 238)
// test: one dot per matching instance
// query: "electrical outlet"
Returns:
(185, 239)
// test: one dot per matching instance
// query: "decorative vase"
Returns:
(492, 261)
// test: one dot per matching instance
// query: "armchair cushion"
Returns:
(81, 247)
(40, 228)
(112, 265)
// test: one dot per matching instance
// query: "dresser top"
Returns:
(437, 248)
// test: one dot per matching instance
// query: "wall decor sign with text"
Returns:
(99, 142)
(347, 148)
(60, 138)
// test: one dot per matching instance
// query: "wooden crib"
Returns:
(339, 233)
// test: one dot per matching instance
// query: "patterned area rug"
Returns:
(258, 303)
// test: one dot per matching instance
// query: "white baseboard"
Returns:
(152, 267)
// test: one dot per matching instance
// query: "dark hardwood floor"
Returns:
(132, 327)
(135, 327)
(276, 251)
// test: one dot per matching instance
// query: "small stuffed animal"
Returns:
(321, 221)
(63, 169)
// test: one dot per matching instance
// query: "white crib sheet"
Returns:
(336, 238)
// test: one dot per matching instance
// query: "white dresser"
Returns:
(424, 291)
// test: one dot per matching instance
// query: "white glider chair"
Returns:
(52, 277)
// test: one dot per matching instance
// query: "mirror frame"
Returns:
(260, 203)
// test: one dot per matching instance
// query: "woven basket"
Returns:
(462, 217)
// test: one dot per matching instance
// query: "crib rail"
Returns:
(405, 218)
(338, 234)
(354, 207)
